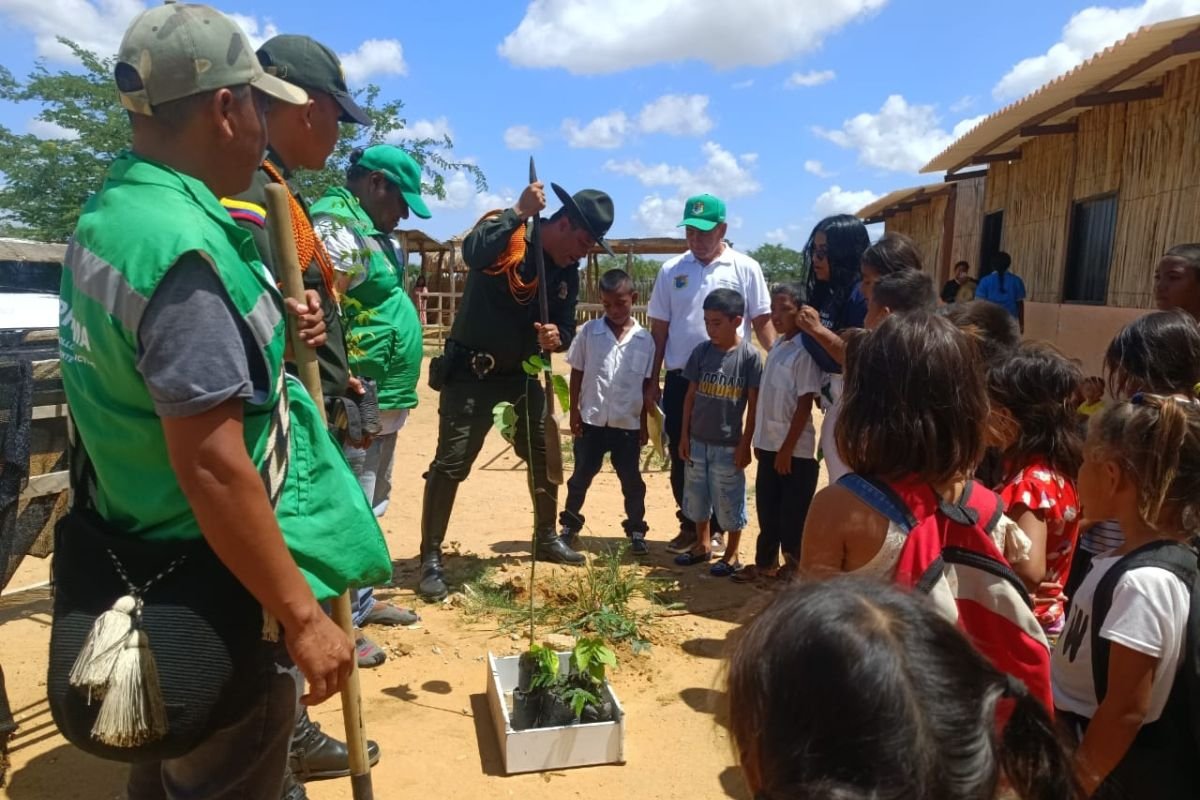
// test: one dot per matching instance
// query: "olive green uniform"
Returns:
(490, 321)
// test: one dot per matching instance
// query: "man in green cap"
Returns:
(303, 137)
(355, 222)
(677, 325)
(172, 339)
(497, 328)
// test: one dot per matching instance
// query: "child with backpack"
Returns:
(1125, 669)
(912, 430)
(610, 362)
(1032, 395)
(723, 377)
(903, 706)
(784, 440)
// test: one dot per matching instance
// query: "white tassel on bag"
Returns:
(133, 712)
(103, 646)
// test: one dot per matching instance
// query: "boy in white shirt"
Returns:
(610, 360)
(784, 440)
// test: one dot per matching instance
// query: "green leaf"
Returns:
(534, 366)
(563, 391)
(504, 418)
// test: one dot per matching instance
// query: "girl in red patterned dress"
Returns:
(1032, 392)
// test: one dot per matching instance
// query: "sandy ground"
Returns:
(427, 705)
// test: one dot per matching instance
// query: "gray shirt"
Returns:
(723, 382)
(195, 350)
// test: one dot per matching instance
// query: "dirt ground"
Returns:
(427, 705)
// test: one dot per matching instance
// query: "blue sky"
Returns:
(789, 109)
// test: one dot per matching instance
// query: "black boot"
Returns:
(440, 492)
(292, 788)
(553, 549)
(315, 755)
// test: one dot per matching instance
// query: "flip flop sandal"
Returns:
(692, 558)
(724, 569)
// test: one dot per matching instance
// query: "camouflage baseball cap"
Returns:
(177, 50)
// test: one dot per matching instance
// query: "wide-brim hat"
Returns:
(592, 209)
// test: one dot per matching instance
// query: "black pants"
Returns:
(782, 502)
(674, 393)
(624, 448)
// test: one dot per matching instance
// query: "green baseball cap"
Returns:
(177, 50)
(401, 169)
(311, 65)
(703, 211)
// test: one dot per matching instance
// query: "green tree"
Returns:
(642, 269)
(780, 263)
(47, 181)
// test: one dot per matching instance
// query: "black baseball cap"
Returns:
(305, 62)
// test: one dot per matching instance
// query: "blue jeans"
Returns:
(713, 483)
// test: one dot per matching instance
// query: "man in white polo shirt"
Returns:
(677, 324)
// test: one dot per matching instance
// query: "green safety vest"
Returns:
(144, 218)
(384, 340)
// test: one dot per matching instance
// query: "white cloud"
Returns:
(724, 174)
(817, 168)
(962, 104)
(462, 194)
(677, 115)
(44, 129)
(836, 200)
(521, 137)
(901, 137)
(602, 36)
(436, 129)
(813, 78)
(372, 58)
(1086, 33)
(746, 84)
(95, 25)
(603, 133)
(777, 236)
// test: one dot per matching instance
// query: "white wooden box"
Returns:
(561, 747)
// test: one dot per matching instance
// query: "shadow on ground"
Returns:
(66, 773)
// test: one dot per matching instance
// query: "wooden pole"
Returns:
(288, 267)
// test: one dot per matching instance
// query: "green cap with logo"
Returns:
(703, 212)
(401, 169)
(177, 50)
(311, 65)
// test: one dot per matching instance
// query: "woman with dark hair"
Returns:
(1003, 288)
(960, 288)
(894, 252)
(1177, 279)
(848, 690)
(835, 303)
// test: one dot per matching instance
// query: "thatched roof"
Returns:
(31, 252)
(1123, 72)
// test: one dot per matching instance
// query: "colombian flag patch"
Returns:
(246, 212)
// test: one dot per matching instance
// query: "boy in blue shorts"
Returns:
(723, 376)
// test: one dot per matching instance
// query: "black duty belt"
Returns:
(480, 362)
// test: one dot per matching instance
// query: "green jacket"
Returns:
(383, 332)
(144, 218)
(489, 318)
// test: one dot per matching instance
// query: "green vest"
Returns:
(383, 332)
(144, 218)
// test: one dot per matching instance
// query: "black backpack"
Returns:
(1164, 760)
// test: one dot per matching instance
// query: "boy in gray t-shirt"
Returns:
(723, 376)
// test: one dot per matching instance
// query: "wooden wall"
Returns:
(923, 224)
(968, 225)
(1148, 152)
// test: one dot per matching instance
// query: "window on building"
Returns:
(993, 230)
(1089, 253)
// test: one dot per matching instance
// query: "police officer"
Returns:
(303, 137)
(496, 329)
(172, 342)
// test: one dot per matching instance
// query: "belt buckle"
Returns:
(482, 364)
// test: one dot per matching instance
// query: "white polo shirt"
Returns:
(790, 373)
(680, 289)
(613, 372)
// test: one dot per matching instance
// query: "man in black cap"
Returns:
(496, 329)
(303, 137)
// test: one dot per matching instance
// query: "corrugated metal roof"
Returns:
(1138, 60)
(892, 200)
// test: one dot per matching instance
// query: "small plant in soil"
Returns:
(544, 698)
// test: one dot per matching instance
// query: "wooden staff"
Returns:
(278, 209)
(551, 431)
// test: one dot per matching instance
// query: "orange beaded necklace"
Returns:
(308, 245)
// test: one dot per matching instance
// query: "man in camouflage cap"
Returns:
(172, 343)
